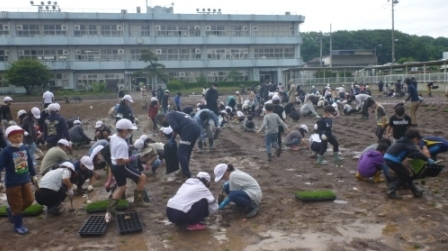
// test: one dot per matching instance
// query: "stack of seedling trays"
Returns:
(33, 210)
(172, 163)
(94, 226)
(421, 169)
(315, 196)
(101, 206)
(129, 223)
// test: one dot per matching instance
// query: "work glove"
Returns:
(224, 203)
(431, 161)
(70, 193)
(90, 188)
(74, 187)
(133, 158)
(324, 137)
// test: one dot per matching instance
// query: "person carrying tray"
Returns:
(394, 157)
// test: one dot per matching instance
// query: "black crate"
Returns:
(428, 171)
(133, 225)
(94, 226)
(172, 163)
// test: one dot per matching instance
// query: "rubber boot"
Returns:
(253, 210)
(201, 147)
(111, 208)
(269, 157)
(18, 225)
(210, 145)
(337, 157)
(138, 199)
(8, 211)
(359, 177)
(391, 192)
(415, 190)
(279, 152)
(377, 177)
(320, 160)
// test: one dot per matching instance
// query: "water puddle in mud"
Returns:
(340, 201)
(221, 236)
(277, 241)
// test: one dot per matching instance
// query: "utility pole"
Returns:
(394, 2)
(331, 48)
(320, 49)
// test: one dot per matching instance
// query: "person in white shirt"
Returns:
(241, 188)
(54, 187)
(315, 142)
(239, 116)
(341, 91)
(121, 161)
(47, 98)
(360, 99)
(192, 203)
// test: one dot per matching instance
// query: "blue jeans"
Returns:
(239, 197)
(155, 164)
(271, 139)
(294, 142)
(385, 169)
(32, 149)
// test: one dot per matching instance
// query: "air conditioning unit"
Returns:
(119, 27)
(19, 27)
(77, 27)
(65, 52)
(181, 74)
(6, 52)
(157, 27)
(64, 27)
(78, 52)
(158, 51)
(255, 28)
(21, 52)
(5, 27)
(208, 28)
(197, 51)
(197, 27)
(120, 51)
(244, 28)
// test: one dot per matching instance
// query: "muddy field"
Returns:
(362, 218)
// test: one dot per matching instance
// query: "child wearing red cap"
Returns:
(18, 165)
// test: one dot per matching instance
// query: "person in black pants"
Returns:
(365, 108)
(189, 131)
(393, 158)
(324, 126)
(211, 96)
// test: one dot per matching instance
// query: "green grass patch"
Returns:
(431, 108)
(101, 206)
(417, 165)
(315, 195)
(32, 210)
(445, 110)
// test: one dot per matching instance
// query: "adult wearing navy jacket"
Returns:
(415, 101)
(188, 130)
(55, 126)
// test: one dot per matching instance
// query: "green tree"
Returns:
(28, 73)
(234, 75)
(154, 69)
(202, 80)
(404, 60)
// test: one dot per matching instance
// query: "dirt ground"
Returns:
(361, 218)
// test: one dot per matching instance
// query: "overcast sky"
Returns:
(419, 17)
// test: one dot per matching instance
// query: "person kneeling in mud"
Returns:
(297, 137)
(241, 188)
(148, 156)
(371, 163)
(249, 124)
(394, 157)
(315, 142)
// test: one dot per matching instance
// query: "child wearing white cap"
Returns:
(102, 131)
(54, 156)
(148, 156)
(84, 170)
(315, 142)
(19, 170)
(28, 124)
(5, 112)
(192, 203)
(297, 137)
(77, 135)
(55, 126)
(241, 188)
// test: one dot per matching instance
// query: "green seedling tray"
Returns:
(417, 165)
(315, 196)
(101, 206)
(33, 210)
(421, 169)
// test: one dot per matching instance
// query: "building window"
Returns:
(111, 30)
(139, 30)
(85, 30)
(272, 30)
(234, 53)
(44, 54)
(239, 30)
(176, 54)
(87, 55)
(136, 54)
(28, 30)
(219, 76)
(111, 54)
(274, 52)
(3, 82)
(54, 29)
(185, 76)
(4, 55)
(4, 29)
(178, 30)
(85, 81)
